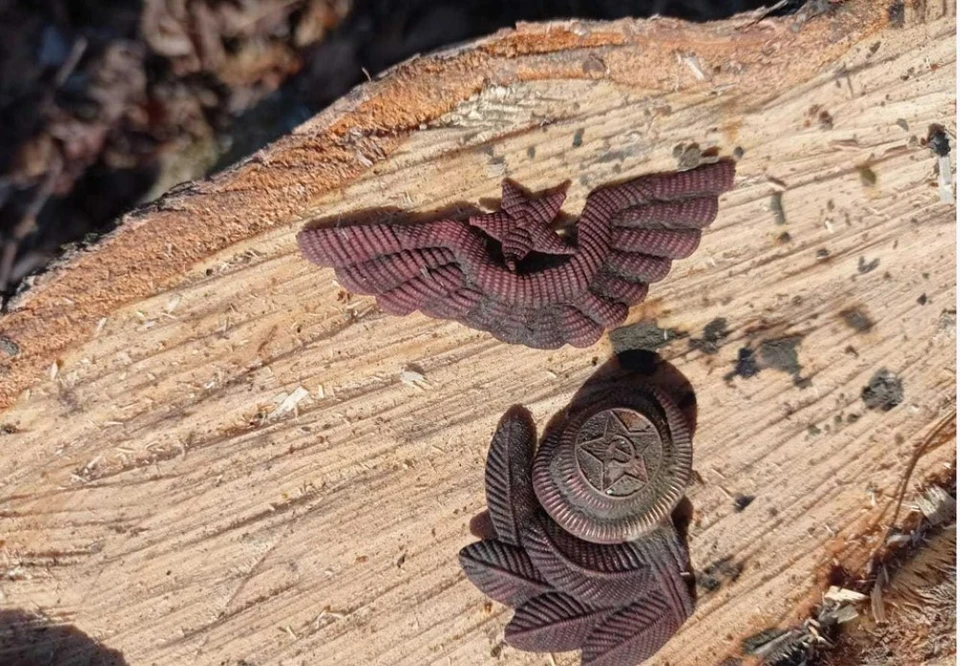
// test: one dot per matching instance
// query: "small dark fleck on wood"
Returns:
(857, 320)
(708, 583)
(713, 334)
(883, 392)
(813, 430)
(785, 237)
(902, 124)
(896, 13)
(868, 177)
(746, 365)
(864, 266)
(718, 572)
(923, 299)
(578, 138)
(741, 502)
(823, 253)
(737, 153)
(532, 152)
(826, 120)
(937, 140)
(776, 181)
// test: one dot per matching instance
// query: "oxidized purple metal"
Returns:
(617, 602)
(511, 274)
(617, 467)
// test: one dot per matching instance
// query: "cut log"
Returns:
(213, 455)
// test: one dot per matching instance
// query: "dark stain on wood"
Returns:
(719, 572)
(781, 353)
(857, 319)
(883, 392)
(745, 366)
(645, 335)
(713, 335)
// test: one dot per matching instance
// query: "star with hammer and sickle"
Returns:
(523, 225)
(619, 452)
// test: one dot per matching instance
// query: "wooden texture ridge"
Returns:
(213, 454)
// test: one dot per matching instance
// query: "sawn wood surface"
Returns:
(212, 455)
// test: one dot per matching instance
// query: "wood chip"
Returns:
(845, 613)
(413, 378)
(937, 505)
(288, 403)
(944, 179)
(841, 594)
(876, 599)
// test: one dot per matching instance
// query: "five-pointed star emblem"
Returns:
(619, 452)
(523, 225)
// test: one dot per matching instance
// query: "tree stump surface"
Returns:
(213, 455)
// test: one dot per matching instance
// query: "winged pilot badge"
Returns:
(509, 273)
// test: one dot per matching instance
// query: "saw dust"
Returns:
(904, 612)
(912, 620)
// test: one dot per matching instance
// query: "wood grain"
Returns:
(168, 488)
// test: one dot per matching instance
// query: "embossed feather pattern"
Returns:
(616, 602)
(510, 498)
(553, 622)
(502, 572)
(510, 274)
(631, 635)
(587, 571)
